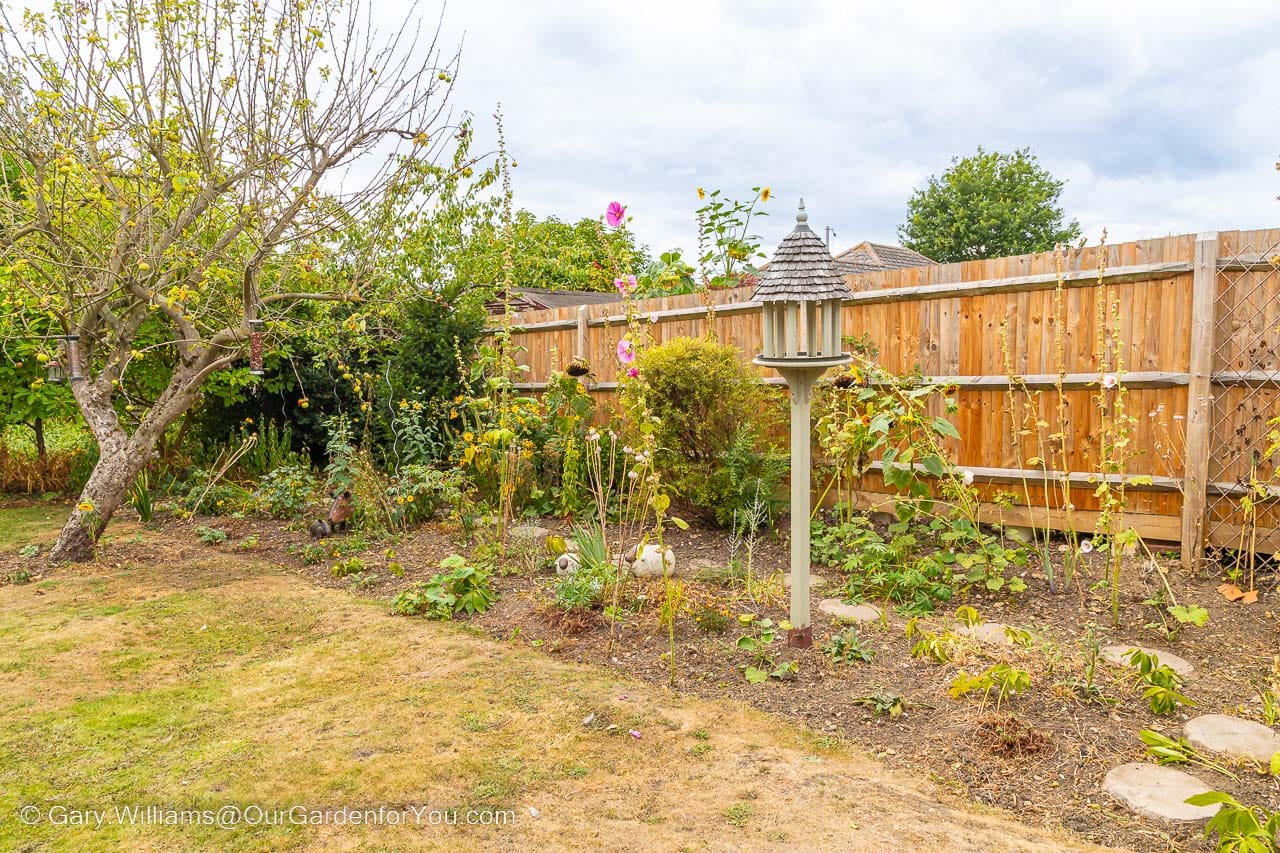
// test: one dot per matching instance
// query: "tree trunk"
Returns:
(121, 457)
(38, 429)
(106, 489)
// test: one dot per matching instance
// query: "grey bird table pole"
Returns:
(802, 295)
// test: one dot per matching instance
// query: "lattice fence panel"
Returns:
(1244, 479)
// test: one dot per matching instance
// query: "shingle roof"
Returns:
(801, 270)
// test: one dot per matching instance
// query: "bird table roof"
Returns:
(802, 270)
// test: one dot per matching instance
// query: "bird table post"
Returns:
(802, 294)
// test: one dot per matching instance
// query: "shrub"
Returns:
(460, 589)
(715, 422)
(425, 363)
(419, 492)
(287, 491)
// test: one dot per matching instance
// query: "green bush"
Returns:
(287, 491)
(716, 422)
(419, 492)
(461, 588)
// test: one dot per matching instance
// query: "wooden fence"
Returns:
(1200, 325)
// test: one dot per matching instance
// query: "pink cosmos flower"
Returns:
(615, 214)
(626, 351)
(633, 372)
(625, 285)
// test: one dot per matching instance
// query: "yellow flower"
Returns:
(409, 498)
(404, 404)
(248, 420)
(468, 436)
(764, 194)
(85, 506)
(453, 413)
(701, 194)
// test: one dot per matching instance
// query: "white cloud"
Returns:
(1161, 122)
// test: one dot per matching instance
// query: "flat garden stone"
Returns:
(527, 534)
(814, 580)
(1233, 736)
(992, 633)
(1025, 535)
(1119, 655)
(1157, 792)
(850, 612)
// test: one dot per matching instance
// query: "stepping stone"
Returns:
(1233, 736)
(814, 580)
(527, 534)
(1157, 792)
(1025, 535)
(850, 612)
(1119, 655)
(987, 632)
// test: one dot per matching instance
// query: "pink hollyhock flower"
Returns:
(626, 351)
(1110, 381)
(633, 372)
(625, 285)
(615, 214)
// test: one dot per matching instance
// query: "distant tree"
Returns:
(990, 205)
(550, 253)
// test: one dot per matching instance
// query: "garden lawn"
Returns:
(199, 683)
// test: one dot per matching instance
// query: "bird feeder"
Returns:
(802, 294)
(72, 343)
(255, 347)
(56, 374)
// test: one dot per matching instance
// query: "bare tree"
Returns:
(183, 168)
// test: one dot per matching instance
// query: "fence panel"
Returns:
(987, 325)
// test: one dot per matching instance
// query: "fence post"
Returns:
(580, 350)
(1204, 291)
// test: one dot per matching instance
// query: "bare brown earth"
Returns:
(175, 672)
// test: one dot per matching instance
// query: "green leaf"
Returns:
(756, 676)
(1209, 798)
(1190, 614)
(942, 426)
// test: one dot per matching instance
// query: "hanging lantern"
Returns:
(55, 372)
(73, 357)
(255, 347)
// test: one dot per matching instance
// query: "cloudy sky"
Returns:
(1162, 117)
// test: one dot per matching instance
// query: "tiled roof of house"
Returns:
(876, 257)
